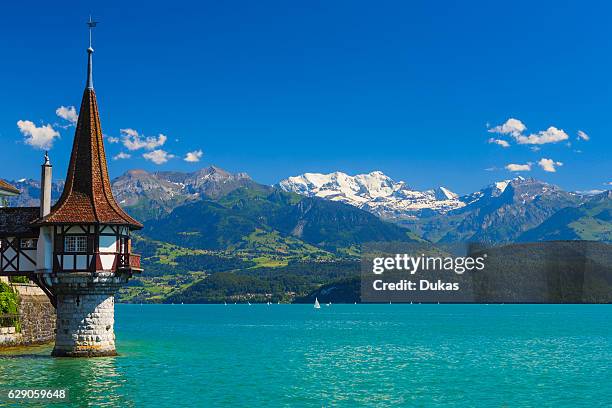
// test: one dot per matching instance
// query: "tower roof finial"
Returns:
(88, 196)
(91, 24)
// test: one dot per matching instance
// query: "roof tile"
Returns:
(87, 197)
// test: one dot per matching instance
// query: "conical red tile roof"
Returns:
(87, 197)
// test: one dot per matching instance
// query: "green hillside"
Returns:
(591, 221)
(256, 243)
(266, 219)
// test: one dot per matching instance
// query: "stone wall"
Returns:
(85, 325)
(9, 338)
(36, 315)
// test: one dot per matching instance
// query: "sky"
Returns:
(459, 94)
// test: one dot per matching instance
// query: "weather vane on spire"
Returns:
(91, 24)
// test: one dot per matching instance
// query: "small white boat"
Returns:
(317, 305)
(328, 305)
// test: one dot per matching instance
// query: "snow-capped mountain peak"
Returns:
(501, 185)
(443, 193)
(375, 192)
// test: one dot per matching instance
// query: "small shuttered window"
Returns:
(28, 243)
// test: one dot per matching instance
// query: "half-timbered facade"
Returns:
(79, 250)
(91, 248)
(18, 241)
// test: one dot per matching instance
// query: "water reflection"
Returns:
(94, 382)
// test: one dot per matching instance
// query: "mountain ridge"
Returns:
(501, 212)
(374, 192)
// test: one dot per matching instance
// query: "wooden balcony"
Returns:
(129, 262)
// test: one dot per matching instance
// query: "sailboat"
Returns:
(317, 305)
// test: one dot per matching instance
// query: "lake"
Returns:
(341, 355)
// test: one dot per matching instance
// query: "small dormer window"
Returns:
(28, 243)
(75, 243)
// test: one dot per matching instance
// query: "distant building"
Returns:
(79, 250)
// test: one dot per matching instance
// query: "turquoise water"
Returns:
(343, 355)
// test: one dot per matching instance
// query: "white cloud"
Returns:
(512, 127)
(535, 148)
(39, 137)
(112, 139)
(609, 183)
(583, 136)
(158, 156)
(121, 156)
(550, 135)
(133, 141)
(518, 167)
(129, 132)
(516, 129)
(549, 165)
(500, 142)
(194, 156)
(67, 113)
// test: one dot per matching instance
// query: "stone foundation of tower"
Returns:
(86, 318)
(85, 325)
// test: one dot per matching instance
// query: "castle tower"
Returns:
(84, 246)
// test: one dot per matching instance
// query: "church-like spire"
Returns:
(90, 68)
(91, 24)
(87, 197)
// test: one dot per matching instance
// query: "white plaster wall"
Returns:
(108, 244)
(9, 254)
(44, 250)
(81, 262)
(107, 261)
(68, 262)
(24, 263)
